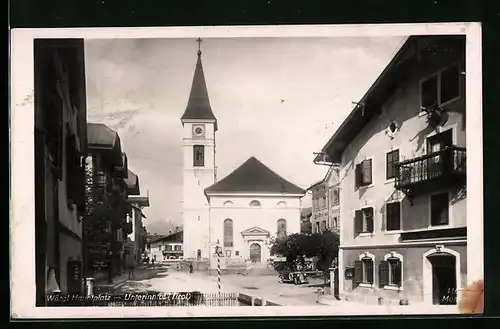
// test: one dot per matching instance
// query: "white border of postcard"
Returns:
(22, 165)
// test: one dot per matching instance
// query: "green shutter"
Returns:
(398, 272)
(358, 272)
(389, 166)
(383, 273)
(357, 176)
(368, 212)
(366, 172)
(358, 222)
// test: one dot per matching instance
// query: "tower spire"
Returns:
(198, 107)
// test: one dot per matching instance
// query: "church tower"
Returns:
(199, 127)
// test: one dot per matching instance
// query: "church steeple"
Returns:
(198, 107)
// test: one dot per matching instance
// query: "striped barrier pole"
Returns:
(218, 251)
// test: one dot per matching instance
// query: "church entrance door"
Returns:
(255, 253)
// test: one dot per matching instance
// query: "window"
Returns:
(159, 247)
(281, 204)
(363, 270)
(228, 253)
(281, 227)
(236, 253)
(323, 201)
(228, 203)
(440, 88)
(317, 227)
(363, 220)
(335, 222)
(198, 156)
(391, 159)
(363, 173)
(391, 271)
(228, 233)
(393, 216)
(255, 203)
(335, 196)
(168, 247)
(325, 225)
(315, 203)
(439, 209)
(178, 248)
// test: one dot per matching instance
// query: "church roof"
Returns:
(198, 107)
(254, 177)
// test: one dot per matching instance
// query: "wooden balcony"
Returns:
(438, 170)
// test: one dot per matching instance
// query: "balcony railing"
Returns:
(447, 164)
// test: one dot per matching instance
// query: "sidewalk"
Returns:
(355, 308)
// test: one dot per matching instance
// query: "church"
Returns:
(241, 212)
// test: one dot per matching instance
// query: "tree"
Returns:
(297, 247)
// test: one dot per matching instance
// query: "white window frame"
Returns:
(372, 257)
(364, 206)
(438, 73)
(392, 286)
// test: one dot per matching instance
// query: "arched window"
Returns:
(254, 203)
(364, 269)
(281, 227)
(228, 203)
(281, 204)
(391, 271)
(228, 233)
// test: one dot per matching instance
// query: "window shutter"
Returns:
(398, 273)
(368, 212)
(389, 166)
(358, 221)
(369, 271)
(367, 172)
(357, 176)
(358, 272)
(383, 273)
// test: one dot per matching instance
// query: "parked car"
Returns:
(288, 276)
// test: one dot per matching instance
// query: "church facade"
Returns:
(240, 213)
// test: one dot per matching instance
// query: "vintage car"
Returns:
(288, 276)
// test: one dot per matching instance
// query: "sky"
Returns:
(278, 99)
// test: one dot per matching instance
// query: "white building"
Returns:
(243, 210)
(248, 207)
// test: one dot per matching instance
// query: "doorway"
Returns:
(439, 164)
(444, 280)
(255, 253)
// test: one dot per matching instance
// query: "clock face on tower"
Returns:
(199, 130)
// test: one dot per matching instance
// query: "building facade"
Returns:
(402, 166)
(138, 246)
(240, 212)
(60, 142)
(105, 222)
(248, 208)
(326, 202)
(167, 247)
